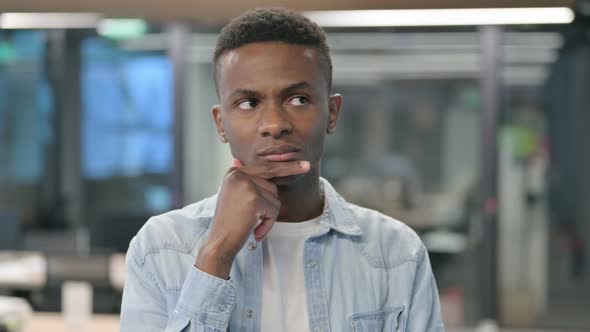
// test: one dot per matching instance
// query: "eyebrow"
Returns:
(296, 86)
(285, 91)
(244, 92)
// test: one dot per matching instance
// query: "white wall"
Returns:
(206, 159)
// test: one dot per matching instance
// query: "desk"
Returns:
(53, 322)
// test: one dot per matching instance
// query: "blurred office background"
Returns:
(473, 134)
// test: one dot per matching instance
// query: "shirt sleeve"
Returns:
(424, 313)
(205, 302)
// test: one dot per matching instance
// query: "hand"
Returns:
(247, 202)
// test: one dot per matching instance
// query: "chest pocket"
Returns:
(384, 320)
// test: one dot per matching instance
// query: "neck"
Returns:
(302, 200)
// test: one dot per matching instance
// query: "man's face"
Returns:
(274, 104)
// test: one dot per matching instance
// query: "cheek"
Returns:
(238, 140)
(314, 137)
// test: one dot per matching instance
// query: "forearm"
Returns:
(213, 259)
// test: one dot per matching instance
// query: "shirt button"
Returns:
(222, 307)
(249, 313)
(252, 246)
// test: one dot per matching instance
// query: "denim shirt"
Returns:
(364, 271)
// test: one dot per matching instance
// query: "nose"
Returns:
(274, 123)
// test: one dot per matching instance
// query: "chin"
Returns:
(286, 180)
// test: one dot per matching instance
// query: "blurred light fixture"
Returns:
(122, 28)
(433, 41)
(528, 75)
(525, 70)
(49, 20)
(528, 55)
(441, 17)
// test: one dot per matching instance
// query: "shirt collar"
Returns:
(337, 214)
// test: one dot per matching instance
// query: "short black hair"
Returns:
(274, 24)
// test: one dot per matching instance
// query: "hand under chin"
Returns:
(286, 180)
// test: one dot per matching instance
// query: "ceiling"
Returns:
(219, 11)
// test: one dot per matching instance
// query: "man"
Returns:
(277, 249)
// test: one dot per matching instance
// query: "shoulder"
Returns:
(385, 241)
(177, 230)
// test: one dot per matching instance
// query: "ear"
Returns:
(335, 106)
(216, 112)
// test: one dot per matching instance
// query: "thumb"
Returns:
(236, 163)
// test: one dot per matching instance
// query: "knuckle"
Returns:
(234, 174)
(274, 211)
(252, 195)
(251, 187)
(274, 189)
(251, 202)
(261, 202)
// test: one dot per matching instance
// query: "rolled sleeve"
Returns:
(205, 302)
(207, 299)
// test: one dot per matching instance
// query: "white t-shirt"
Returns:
(284, 302)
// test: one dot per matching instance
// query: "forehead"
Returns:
(268, 66)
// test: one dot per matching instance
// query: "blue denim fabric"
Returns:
(364, 271)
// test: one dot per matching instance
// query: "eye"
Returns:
(247, 104)
(298, 101)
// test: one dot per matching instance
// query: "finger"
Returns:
(266, 209)
(277, 169)
(267, 216)
(267, 185)
(236, 163)
(263, 229)
(257, 181)
(270, 197)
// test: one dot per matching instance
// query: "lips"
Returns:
(280, 153)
